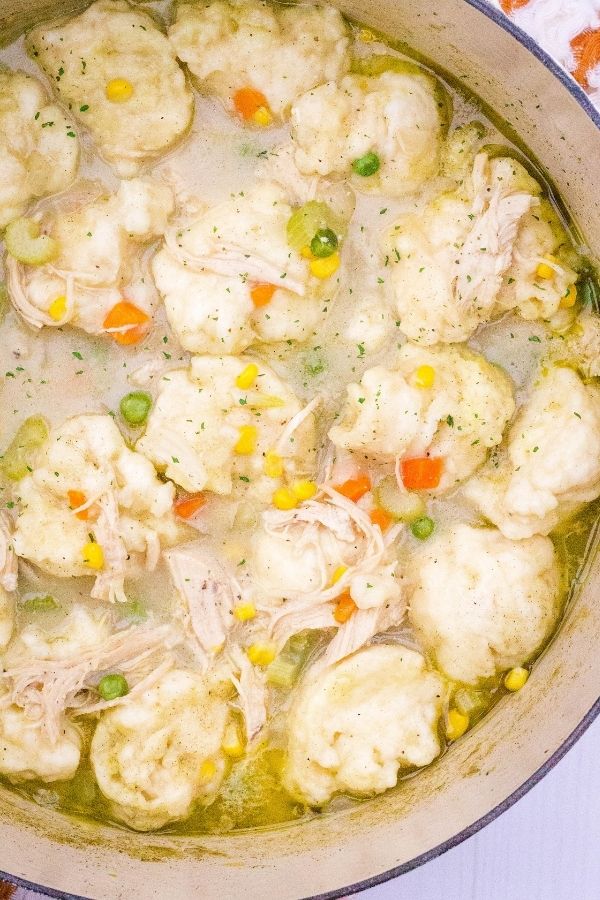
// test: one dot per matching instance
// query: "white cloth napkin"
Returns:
(569, 30)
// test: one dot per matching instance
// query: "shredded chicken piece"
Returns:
(326, 459)
(331, 517)
(487, 251)
(252, 692)
(359, 629)
(295, 423)
(110, 583)
(8, 558)
(317, 617)
(232, 260)
(46, 688)
(207, 593)
(14, 284)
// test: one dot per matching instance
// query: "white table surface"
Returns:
(546, 847)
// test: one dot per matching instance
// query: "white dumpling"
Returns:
(481, 603)
(395, 115)
(39, 151)
(115, 41)
(79, 630)
(355, 725)
(201, 414)
(209, 267)
(280, 51)
(370, 324)
(474, 253)
(100, 239)
(583, 343)
(159, 753)
(552, 459)
(122, 504)
(459, 417)
(26, 751)
(312, 552)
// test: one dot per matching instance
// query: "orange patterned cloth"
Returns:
(568, 29)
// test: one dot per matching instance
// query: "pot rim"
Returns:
(503, 21)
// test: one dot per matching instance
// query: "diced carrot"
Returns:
(422, 473)
(586, 48)
(262, 294)
(189, 506)
(381, 518)
(77, 499)
(354, 488)
(344, 608)
(126, 314)
(247, 101)
(509, 6)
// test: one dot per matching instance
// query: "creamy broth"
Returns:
(61, 372)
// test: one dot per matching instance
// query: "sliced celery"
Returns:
(15, 463)
(310, 218)
(401, 505)
(285, 669)
(24, 241)
(468, 701)
(40, 603)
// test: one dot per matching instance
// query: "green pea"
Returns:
(367, 165)
(423, 528)
(135, 407)
(112, 686)
(324, 243)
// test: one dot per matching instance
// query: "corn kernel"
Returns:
(118, 90)
(338, 574)
(366, 36)
(246, 443)
(325, 268)
(261, 654)
(284, 498)
(304, 490)
(546, 271)
(273, 467)
(243, 612)
(58, 308)
(516, 678)
(263, 117)
(247, 377)
(425, 376)
(93, 555)
(307, 253)
(232, 741)
(457, 724)
(570, 298)
(208, 770)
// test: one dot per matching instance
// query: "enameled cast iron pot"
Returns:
(525, 735)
